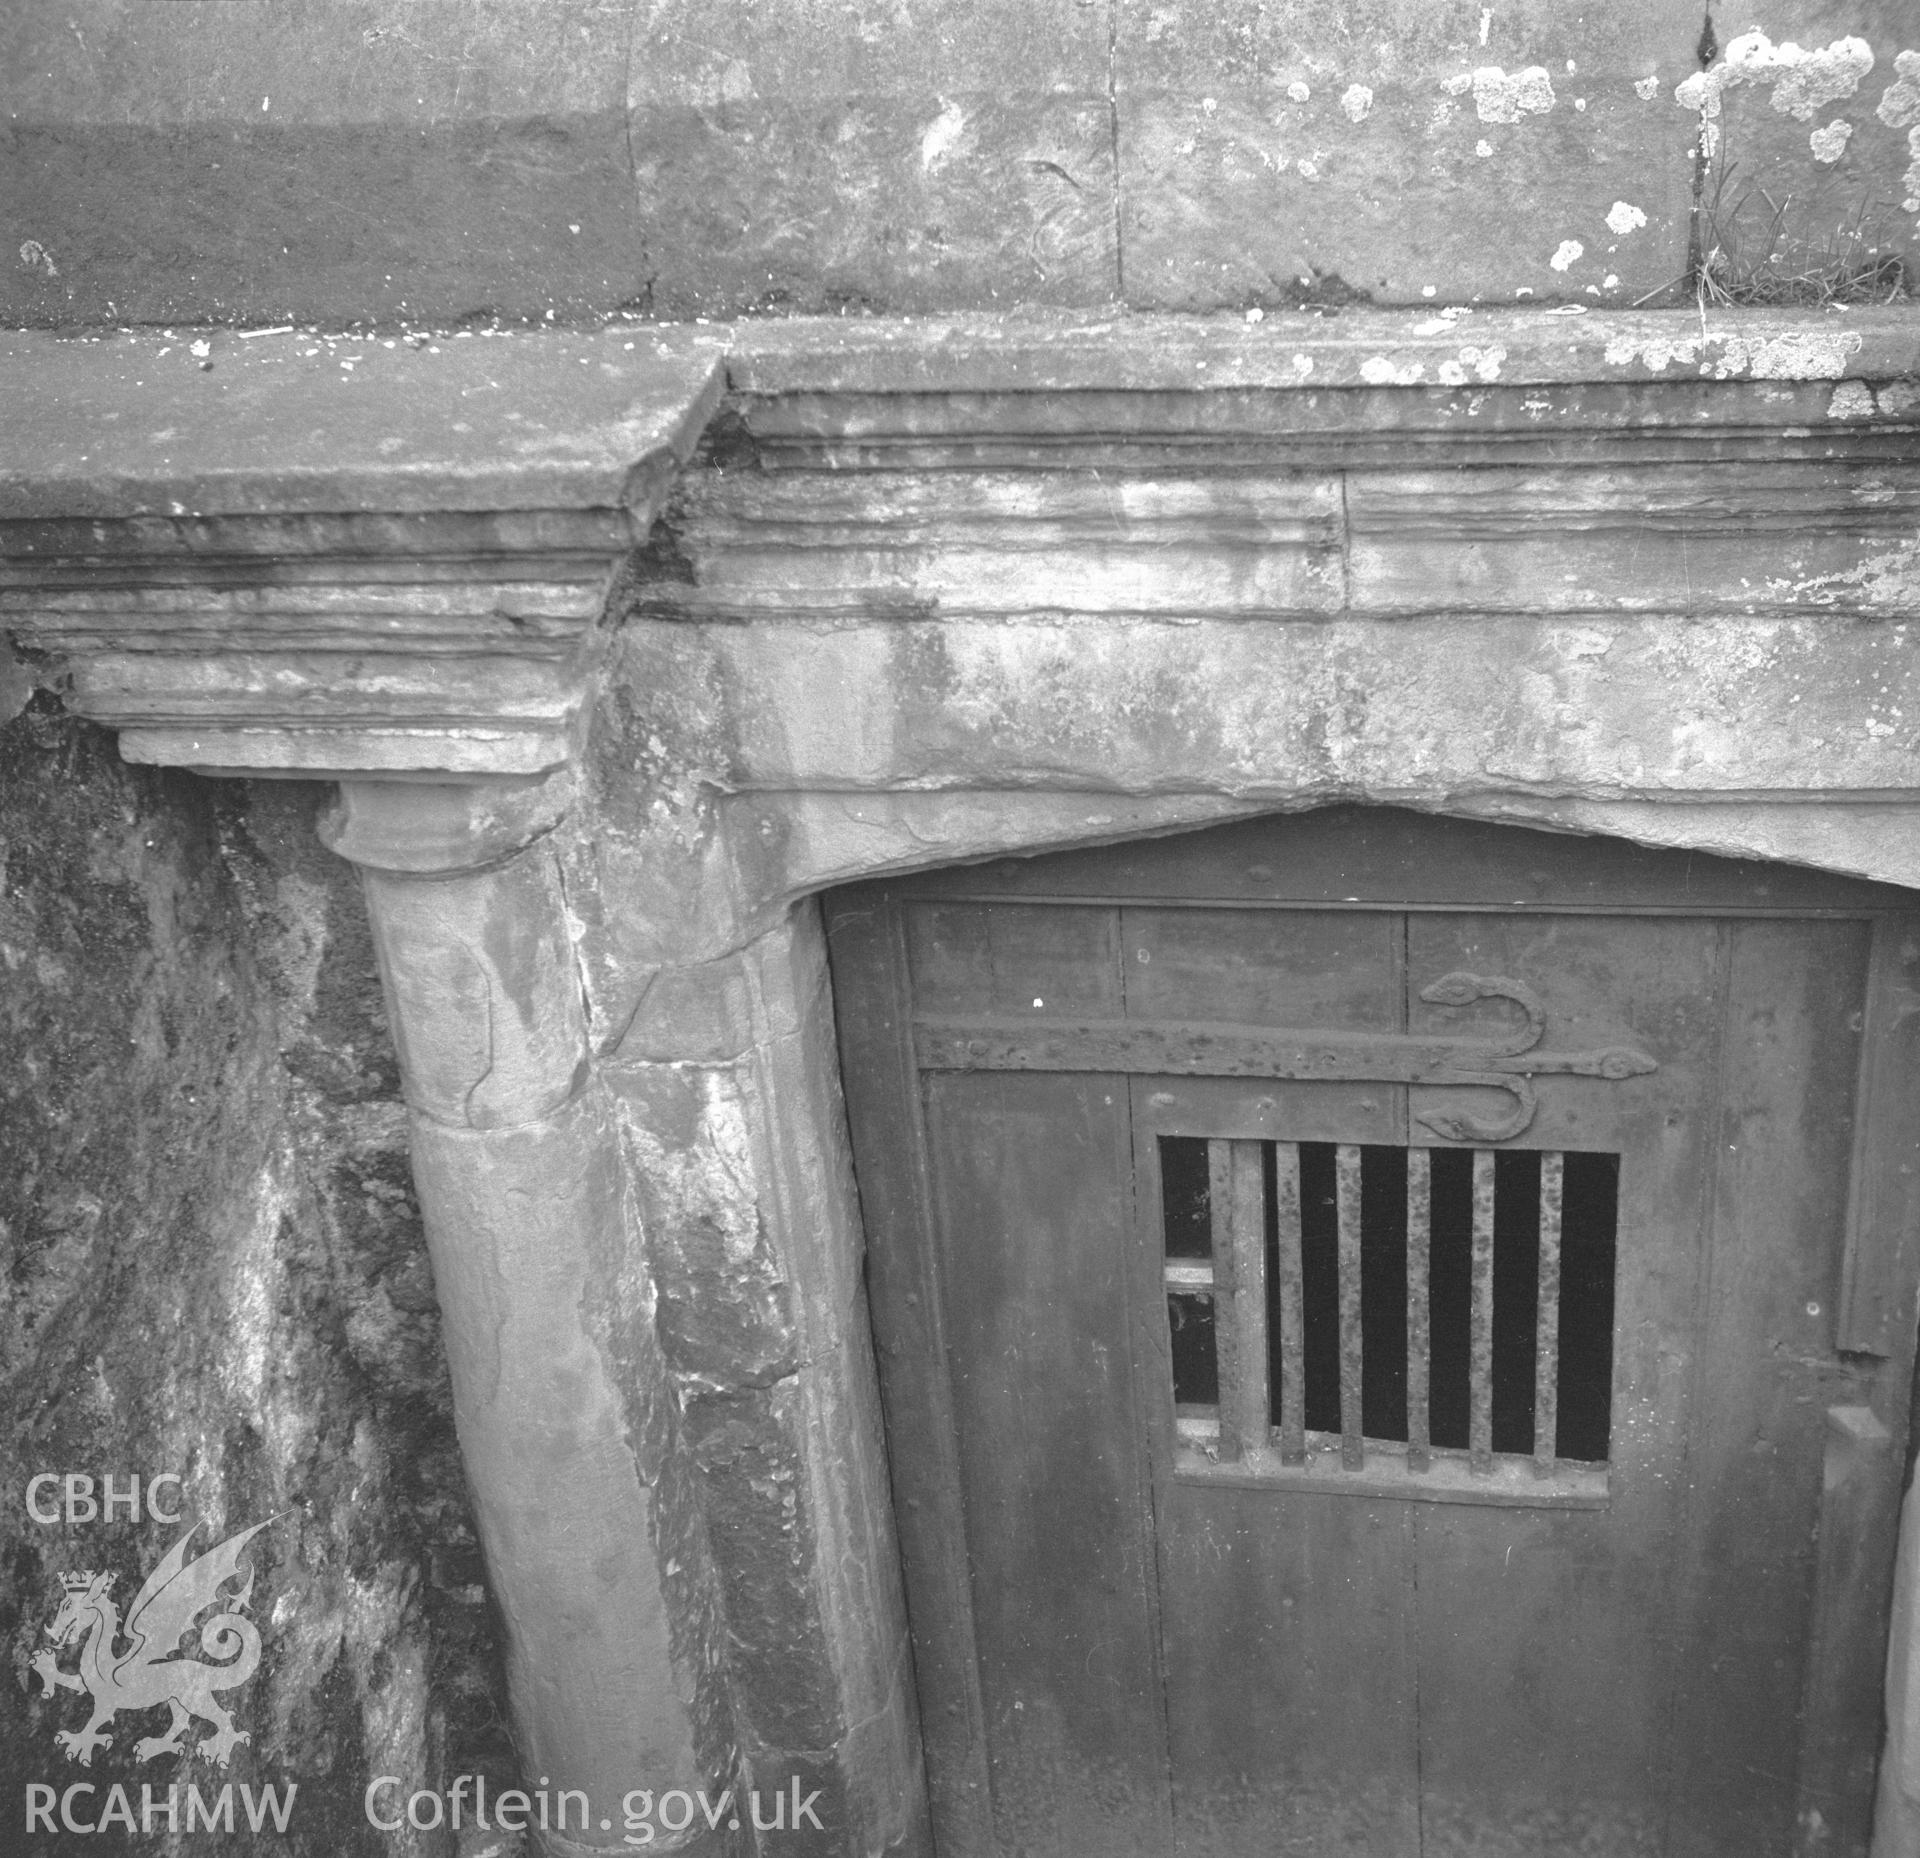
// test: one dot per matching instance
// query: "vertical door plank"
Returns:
(1859, 1505)
(1286, 1619)
(1308, 1748)
(1546, 1662)
(1291, 1677)
(1029, 1177)
(1031, 1173)
(1765, 1375)
(1883, 1213)
(873, 1005)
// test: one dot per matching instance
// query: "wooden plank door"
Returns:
(1176, 1198)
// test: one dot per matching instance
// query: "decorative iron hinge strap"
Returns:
(1201, 1048)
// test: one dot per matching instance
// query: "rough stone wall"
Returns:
(213, 1267)
(351, 160)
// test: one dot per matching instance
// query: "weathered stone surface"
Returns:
(595, 1542)
(1805, 190)
(822, 380)
(388, 557)
(800, 157)
(215, 1269)
(1600, 706)
(126, 426)
(340, 159)
(1399, 150)
(1861, 839)
(488, 1025)
(565, 1458)
(357, 160)
(753, 1226)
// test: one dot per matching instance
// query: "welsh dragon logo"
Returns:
(144, 1673)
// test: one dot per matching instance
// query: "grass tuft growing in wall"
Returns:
(1755, 248)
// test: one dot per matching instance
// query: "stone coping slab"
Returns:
(1356, 348)
(284, 421)
(221, 422)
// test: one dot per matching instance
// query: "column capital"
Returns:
(426, 828)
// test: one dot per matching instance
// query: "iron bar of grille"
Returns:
(1346, 1164)
(1419, 1332)
(1480, 1422)
(1220, 1223)
(1293, 1354)
(1546, 1344)
(1237, 1198)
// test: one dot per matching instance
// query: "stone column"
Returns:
(592, 1532)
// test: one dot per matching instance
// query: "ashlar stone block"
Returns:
(1401, 151)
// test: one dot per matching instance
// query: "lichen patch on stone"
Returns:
(1802, 80)
(1569, 252)
(1798, 355)
(1900, 103)
(1502, 98)
(1889, 578)
(942, 136)
(1900, 109)
(1802, 355)
(1357, 102)
(1482, 363)
(1623, 217)
(1829, 143)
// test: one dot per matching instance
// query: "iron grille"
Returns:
(1413, 1310)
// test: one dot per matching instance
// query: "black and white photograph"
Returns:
(959, 928)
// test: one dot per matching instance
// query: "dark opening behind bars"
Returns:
(1485, 1391)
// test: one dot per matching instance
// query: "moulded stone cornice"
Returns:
(1503, 462)
(333, 555)
(1354, 389)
